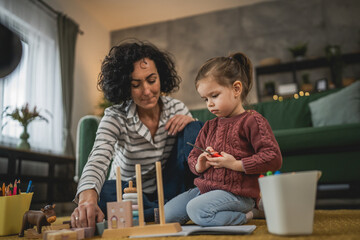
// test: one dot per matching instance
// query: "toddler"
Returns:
(227, 189)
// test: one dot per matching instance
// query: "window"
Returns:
(36, 80)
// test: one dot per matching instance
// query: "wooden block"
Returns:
(55, 227)
(62, 234)
(142, 230)
(80, 233)
(119, 214)
(89, 232)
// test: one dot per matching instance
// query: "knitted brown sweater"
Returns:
(249, 138)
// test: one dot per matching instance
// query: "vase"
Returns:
(24, 144)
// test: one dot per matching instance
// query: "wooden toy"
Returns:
(39, 218)
(61, 235)
(130, 194)
(142, 230)
(89, 232)
(119, 214)
(130, 189)
(56, 227)
(80, 233)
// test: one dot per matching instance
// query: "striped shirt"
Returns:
(123, 138)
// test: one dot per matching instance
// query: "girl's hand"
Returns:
(202, 163)
(226, 161)
(177, 123)
(87, 211)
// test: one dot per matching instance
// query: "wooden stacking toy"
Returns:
(142, 229)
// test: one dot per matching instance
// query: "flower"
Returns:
(23, 115)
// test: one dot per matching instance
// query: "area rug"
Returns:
(328, 224)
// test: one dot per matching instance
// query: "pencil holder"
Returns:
(12, 209)
(289, 202)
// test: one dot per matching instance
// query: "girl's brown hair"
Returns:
(226, 70)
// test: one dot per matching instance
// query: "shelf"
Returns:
(304, 64)
(293, 67)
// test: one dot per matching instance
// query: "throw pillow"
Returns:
(341, 107)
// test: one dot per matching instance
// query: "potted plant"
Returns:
(306, 85)
(298, 51)
(24, 116)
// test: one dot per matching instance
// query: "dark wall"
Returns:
(261, 30)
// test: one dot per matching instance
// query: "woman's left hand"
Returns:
(226, 161)
(177, 123)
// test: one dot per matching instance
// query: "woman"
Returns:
(140, 128)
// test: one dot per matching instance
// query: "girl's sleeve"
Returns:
(194, 154)
(267, 155)
(95, 171)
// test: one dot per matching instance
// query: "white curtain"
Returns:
(37, 78)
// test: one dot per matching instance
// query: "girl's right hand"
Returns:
(202, 163)
(87, 211)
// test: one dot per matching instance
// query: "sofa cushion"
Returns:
(338, 108)
(300, 140)
(290, 113)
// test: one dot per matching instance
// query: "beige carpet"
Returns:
(328, 224)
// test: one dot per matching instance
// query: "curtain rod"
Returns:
(54, 11)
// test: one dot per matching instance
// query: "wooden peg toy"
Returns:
(142, 229)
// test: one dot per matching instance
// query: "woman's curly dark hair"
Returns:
(117, 67)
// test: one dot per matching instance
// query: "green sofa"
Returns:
(335, 150)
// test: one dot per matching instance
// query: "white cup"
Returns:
(289, 202)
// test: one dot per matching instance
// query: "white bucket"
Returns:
(289, 202)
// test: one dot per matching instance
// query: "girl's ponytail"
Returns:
(247, 72)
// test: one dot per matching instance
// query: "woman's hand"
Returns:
(87, 211)
(226, 161)
(177, 123)
(202, 163)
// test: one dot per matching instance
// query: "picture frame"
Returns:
(322, 85)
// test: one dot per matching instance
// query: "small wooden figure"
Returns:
(39, 218)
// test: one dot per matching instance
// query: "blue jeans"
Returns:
(176, 175)
(214, 208)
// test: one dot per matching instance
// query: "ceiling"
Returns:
(120, 14)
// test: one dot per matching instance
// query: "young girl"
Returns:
(227, 188)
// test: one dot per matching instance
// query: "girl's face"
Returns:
(145, 84)
(223, 101)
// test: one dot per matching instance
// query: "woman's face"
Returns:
(145, 84)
